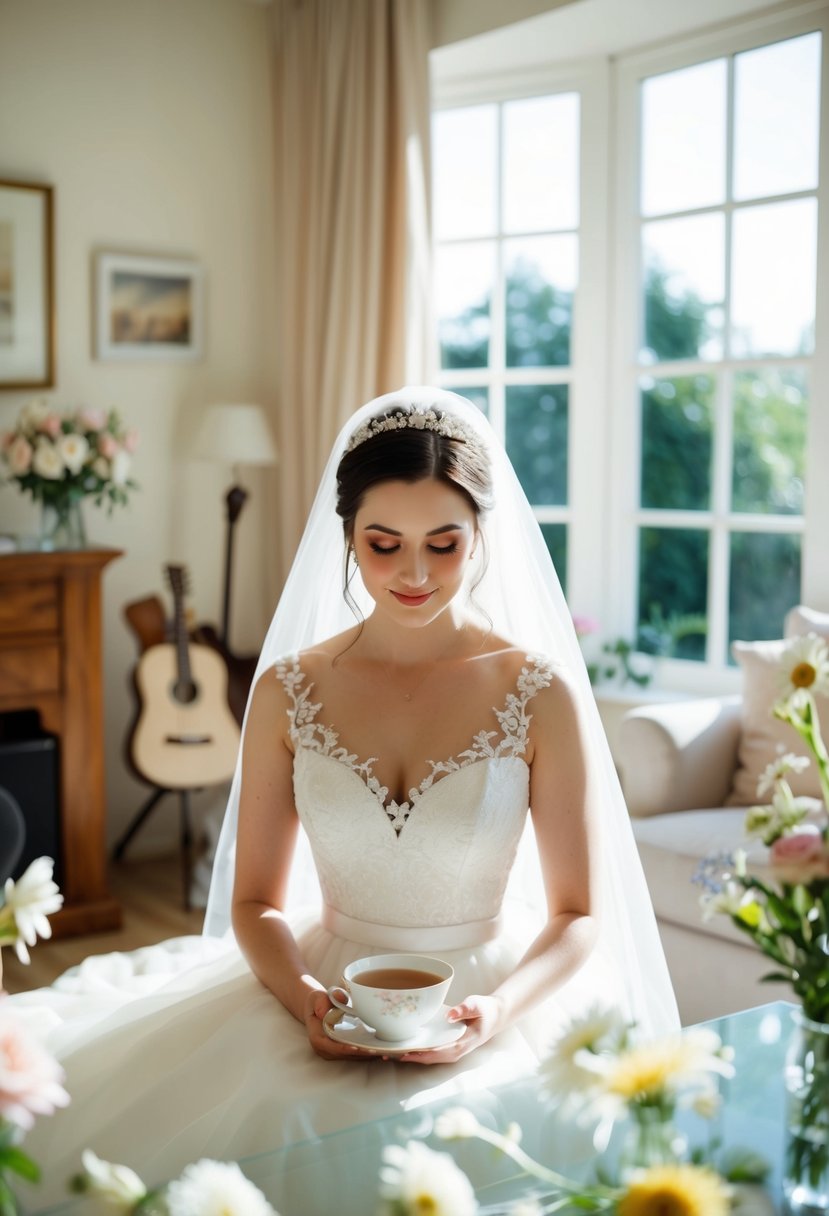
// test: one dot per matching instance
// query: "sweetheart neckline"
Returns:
(513, 720)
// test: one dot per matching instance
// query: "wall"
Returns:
(152, 121)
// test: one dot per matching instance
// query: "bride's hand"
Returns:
(317, 1005)
(482, 1015)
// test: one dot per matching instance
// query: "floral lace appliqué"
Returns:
(513, 719)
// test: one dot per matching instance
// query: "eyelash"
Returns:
(445, 549)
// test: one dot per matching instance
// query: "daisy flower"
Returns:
(675, 1190)
(27, 904)
(776, 771)
(806, 666)
(416, 1181)
(215, 1188)
(568, 1068)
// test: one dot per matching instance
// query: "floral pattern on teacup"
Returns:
(395, 1004)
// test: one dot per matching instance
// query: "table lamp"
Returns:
(235, 435)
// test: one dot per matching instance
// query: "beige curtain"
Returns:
(351, 97)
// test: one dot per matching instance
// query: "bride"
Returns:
(419, 691)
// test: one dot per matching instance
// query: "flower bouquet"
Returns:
(607, 1077)
(786, 914)
(30, 1079)
(61, 458)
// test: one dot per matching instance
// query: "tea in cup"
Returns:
(394, 994)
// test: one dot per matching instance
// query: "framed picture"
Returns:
(27, 311)
(148, 308)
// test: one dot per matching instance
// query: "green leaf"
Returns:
(15, 1159)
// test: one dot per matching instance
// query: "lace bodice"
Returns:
(441, 857)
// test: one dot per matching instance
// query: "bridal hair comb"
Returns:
(414, 419)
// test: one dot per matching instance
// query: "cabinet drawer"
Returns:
(29, 608)
(29, 668)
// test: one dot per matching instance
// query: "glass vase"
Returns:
(652, 1139)
(62, 525)
(806, 1161)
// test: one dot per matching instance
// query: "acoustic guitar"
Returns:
(185, 735)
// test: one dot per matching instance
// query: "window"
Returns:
(728, 238)
(506, 207)
(626, 281)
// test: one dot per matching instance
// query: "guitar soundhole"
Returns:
(185, 691)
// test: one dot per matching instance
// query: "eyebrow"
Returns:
(433, 532)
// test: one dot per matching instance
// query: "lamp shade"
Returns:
(235, 434)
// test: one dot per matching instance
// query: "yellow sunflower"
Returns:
(675, 1190)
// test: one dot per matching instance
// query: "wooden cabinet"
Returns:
(50, 660)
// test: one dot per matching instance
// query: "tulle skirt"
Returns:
(177, 1052)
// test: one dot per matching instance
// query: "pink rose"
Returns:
(51, 425)
(19, 456)
(92, 420)
(801, 855)
(30, 1079)
(108, 446)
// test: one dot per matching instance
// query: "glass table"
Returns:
(338, 1173)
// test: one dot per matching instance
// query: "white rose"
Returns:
(32, 414)
(74, 450)
(47, 461)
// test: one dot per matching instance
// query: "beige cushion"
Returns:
(802, 621)
(764, 738)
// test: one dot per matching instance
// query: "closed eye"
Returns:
(385, 549)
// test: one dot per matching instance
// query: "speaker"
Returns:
(29, 773)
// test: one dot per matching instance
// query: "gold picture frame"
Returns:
(27, 307)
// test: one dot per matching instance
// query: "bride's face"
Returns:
(413, 542)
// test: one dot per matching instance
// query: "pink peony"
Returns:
(30, 1079)
(801, 855)
(108, 446)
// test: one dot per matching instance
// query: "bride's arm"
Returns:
(265, 846)
(563, 800)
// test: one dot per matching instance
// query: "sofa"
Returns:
(689, 770)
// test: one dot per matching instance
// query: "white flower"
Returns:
(777, 770)
(74, 450)
(19, 456)
(526, 1207)
(215, 1188)
(117, 1184)
(47, 461)
(806, 666)
(456, 1124)
(568, 1069)
(33, 414)
(30, 1079)
(415, 1180)
(120, 467)
(28, 902)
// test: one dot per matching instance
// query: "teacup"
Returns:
(394, 994)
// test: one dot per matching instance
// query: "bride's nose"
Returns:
(414, 571)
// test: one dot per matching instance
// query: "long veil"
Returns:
(521, 594)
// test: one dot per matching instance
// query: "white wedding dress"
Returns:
(177, 1052)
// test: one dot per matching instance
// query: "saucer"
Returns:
(347, 1028)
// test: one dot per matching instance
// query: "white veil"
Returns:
(520, 593)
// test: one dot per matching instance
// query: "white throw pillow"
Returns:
(802, 621)
(764, 738)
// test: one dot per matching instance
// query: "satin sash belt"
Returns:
(415, 939)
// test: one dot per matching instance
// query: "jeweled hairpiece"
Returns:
(417, 420)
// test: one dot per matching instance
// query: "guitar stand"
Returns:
(185, 840)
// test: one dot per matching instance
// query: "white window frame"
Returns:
(603, 492)
(586, 374)
(624, 522)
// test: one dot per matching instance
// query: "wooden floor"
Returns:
(150, 894)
